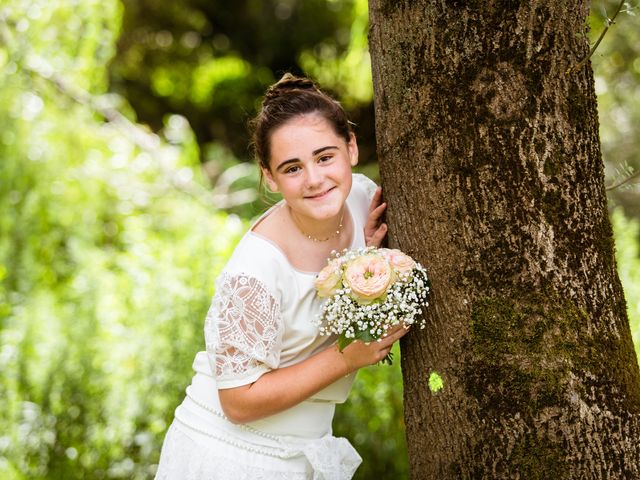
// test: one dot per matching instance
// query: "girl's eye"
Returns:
(325, 158)
(292, 169)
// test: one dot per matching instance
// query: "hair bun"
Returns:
(287, 83)
(287, 99)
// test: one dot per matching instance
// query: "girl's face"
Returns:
(310, 165)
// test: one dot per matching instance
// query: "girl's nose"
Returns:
(314, 176)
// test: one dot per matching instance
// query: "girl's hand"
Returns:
(375, 230)
(360, 354)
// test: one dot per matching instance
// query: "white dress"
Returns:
(261, 318)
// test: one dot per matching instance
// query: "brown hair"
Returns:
(290, 97)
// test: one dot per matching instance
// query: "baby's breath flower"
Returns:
(403, 300)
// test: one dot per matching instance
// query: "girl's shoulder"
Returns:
(255, 254)
(363, 185)
(257, 258)
(362, 190)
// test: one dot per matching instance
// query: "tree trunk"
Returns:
(490, 162)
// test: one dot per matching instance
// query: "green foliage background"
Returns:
(116, 213)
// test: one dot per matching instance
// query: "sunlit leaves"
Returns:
(45, 35)
(109, 246)
(628, 260)
(616, 67)
(344, 70)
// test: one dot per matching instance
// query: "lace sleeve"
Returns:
(243, 330)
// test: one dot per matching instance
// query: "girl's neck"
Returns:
(304, 255)
(319, 231)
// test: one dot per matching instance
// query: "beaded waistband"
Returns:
(331, 458)
(239, 435)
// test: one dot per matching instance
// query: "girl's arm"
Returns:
(285, 387)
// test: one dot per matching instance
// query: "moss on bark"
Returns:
(521, 351)
(535, 351)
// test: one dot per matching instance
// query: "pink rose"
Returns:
(401, 262)
(368, 276)
(329, 280)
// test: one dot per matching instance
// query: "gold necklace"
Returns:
(315, 239)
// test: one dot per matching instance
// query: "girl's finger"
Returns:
(375, 200)
(377, 212)
(376, 239)
(384, 352)
(393, 335)
(395, 329)
(374, 216)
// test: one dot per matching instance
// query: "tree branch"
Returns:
(622, 182)
(609, 22)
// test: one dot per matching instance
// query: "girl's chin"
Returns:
(320, 215)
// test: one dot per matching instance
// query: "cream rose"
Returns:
(329, 279)
(400, 261)
(368, 276)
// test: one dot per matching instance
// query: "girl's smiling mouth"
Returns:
(320, 195)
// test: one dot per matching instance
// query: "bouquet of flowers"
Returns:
(369, 290)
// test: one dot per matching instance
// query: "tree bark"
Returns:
(490, 163)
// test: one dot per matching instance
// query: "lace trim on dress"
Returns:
(243, 328)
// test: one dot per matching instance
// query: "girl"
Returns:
(262, 399)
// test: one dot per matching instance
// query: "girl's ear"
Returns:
(271, 184)
(352, 148)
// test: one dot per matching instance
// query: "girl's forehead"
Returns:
(307, 132)
(314, 121)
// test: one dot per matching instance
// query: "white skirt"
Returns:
(201, 444)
